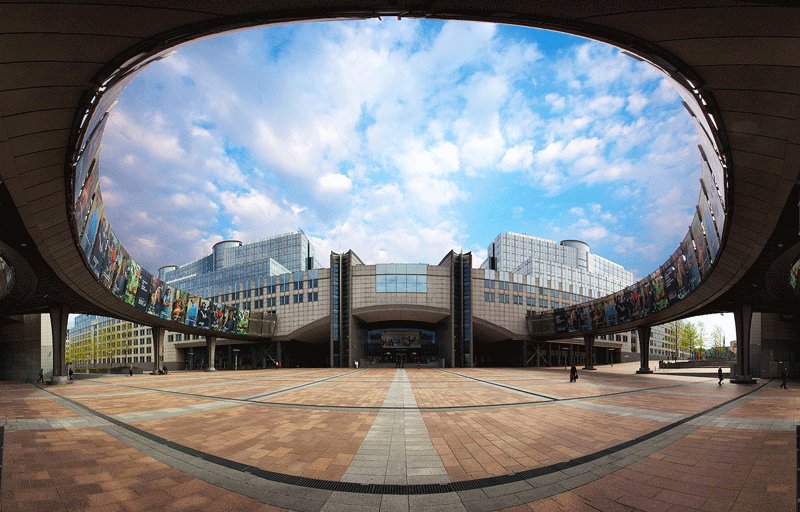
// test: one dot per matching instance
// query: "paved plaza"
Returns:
(399, 439)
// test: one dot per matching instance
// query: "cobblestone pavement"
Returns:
(385, 440)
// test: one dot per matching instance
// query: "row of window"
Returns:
(504, 298)
(297, 298)
(269, 289)
(531, 289)
(401, 283)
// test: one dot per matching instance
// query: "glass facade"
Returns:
(233, 268)
(401, 278)
(567, 267)
(401, 346)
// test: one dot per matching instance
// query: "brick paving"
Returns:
(477, 444)
(312, 443)
(739, 457)
(359, 389)
(86, 469)
(445, 389)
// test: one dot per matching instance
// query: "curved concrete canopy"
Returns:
(742, 58)
(401, 313)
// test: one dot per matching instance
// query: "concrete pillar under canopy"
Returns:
(59, 314)
(157, 333)
(643, 333)
(588, 343)
(743, 316)
(211, 345)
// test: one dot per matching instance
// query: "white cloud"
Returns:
(380, 131)
(517, 158)
(333, 184)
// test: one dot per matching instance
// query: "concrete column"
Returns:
(643, 333)
(157, 333)
(588, 343)
(743, 316)
(549, 354)
(524, 353)
(571, 356)
(59, 314)
(211, 345)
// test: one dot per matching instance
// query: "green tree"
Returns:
(688, 336)
(717, 339)
(701, 335)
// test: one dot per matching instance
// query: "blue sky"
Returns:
(400, 140)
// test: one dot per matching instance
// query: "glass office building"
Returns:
(233, 267)
(568, 266)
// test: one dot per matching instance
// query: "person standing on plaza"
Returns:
(719, 374)
(783, 377)
(130, 370)
(70, 372)
(356, 363)
(573, 374)
(41, 376)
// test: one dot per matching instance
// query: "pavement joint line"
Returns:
(568, 399)
(252, 401)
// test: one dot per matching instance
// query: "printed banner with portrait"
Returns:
(143, 293)
(242, 321)
(204, 314)
(192, 306)
(179, 301)
(700, 245)
(92, 223)
(230, 319)
(132, 276)
(166, 302)
(692, 270)
(708, 226)
(713, 191)
(156, 300)
(98, 254)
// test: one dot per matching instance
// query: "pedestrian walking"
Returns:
(356, 363)
(130, 370)
(71, 371)
(573, 374)
(719, 374)
(41, 376)
(783, 378)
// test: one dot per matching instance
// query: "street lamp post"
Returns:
(611, 356)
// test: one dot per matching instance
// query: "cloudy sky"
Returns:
(400, 140)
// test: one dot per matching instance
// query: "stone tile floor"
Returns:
(253, 440)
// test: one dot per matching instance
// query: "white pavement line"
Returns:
(505, 387)
(397, 449)
(635, 412)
